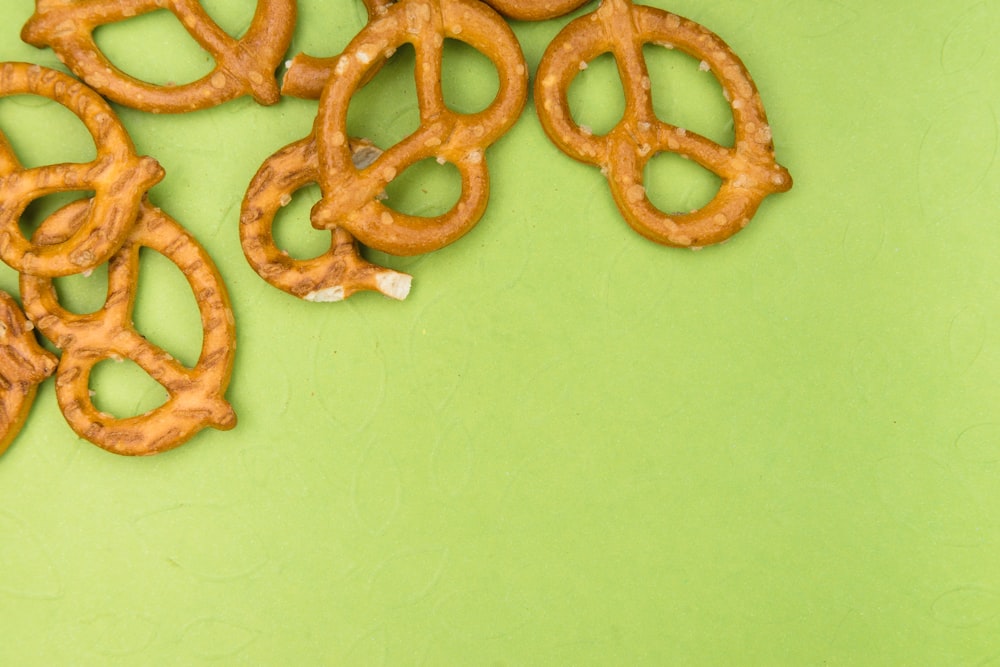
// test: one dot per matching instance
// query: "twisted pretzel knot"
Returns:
(196, 395)
(748, 169)
(23, 366)
(243, 66)
(334, 275)
(351, 195)
(118, 177)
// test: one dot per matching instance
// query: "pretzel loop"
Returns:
(351, 195)
(243, 66)
(334, 275)
(118, 177)
(748, 169)
(195, 395)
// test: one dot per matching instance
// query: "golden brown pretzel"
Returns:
(334, 275)
(196, 395)
(748, 169)
(118, 177)
(23, 366)
(244, 66)
(351, 196)
(534, 10)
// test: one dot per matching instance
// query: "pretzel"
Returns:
(118, 177)
(748, 169)
(195, 395)
(351, 196)
(244, 66)
(535, 10)
(23, 366)
(333, 276)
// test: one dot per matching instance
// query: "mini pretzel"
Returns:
(23, 366)
(748, 170)
(244, 66)
(196, 395)
(534, 10)
(333, 276)
(351, 196)
(118, 177)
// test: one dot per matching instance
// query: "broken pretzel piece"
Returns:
(332, 276)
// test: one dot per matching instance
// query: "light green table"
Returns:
(569, 445)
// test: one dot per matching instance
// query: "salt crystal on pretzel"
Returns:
(332, 276)
(244, 66)
(195, 395)
(24, 364)
(118, 177)
(748, 169)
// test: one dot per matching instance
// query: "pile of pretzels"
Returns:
(352, 174)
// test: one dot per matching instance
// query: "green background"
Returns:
(569, 445)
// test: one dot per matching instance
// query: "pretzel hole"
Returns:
(122, 389)
(678, 185)
(136, 46)
(385, 110)
(469, 79)
(686, 94)
(166, 312)
(596, 98)
(291, 230)
(233, 17)
(40, 208)
(41, 131)
(426, 189)
(83, 293)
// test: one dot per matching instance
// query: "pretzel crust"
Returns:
(334, 275)
(195, 395)
(24, 364)
(118, 177)
(535, 10)
(748, 169)
(244, 66)
(351, 196)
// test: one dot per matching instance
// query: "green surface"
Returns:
(568, 445)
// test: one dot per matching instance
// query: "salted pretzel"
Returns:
(24, 364)
(748, 169)
(352, 196)
(195, 395)
(118, 177)
(334, 275)
(534, 10)
(244, 66)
